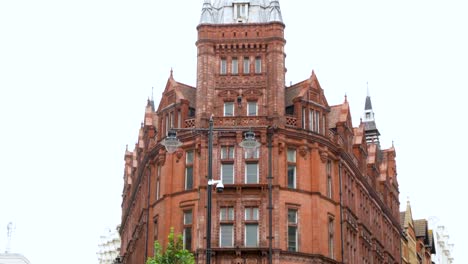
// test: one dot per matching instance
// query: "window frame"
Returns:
(222, 172)
(258, 65)
(188, 226)
(189, 165)
(293, 225)
(234, 66)
(246, 65)
(223, 66)
(249, 105)
(291, 164)
(225, 107)
(227, 221)
(251, 218)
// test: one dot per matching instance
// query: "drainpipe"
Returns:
(341, 211)
(270, 198)
(147, 214)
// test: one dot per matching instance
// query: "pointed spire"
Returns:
(172, 74)
(346, 98)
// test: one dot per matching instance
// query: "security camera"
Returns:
(219, 187)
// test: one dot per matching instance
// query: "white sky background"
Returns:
(75, 77)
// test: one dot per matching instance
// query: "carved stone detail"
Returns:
(303, 150)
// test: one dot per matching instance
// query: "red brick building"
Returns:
(334, 190)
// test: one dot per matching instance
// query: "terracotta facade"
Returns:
(335, 195)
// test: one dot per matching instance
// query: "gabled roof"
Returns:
(420, 228)
(176, 91)
(309, 90)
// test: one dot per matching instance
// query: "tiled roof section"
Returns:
(358, 135)
(420, 228)
(188, 92)
(334, 115)
(370, 126)
(292, 92)
(368, 103)
(402, 219)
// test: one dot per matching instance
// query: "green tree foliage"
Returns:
(174, 254)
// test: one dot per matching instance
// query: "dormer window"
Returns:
(241, 12)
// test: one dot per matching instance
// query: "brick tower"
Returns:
(315, 191)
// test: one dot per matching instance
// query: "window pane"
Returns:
(235, 66)
(246, 65)
(223, 69)
(258, 65)
(311, 120)
(251, 173)
(189, 178)
(189, 157)
(226, 235)
(292, 216)
(188, 238)
(251, 235)
(291, 155)
(251, 108)
(227, 173)
(292, 238)
(291, 176)
(188, 218)
(229, 109)
(227, 214)
(227, 152)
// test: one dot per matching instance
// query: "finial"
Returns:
(126, 147)
(346, 98)
(152, 93)
(172, 73)
(368, 93)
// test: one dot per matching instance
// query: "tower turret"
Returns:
(370, 127)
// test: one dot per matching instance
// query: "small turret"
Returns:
(246, 11)
(370, 127)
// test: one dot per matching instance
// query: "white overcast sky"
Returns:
(75, 77)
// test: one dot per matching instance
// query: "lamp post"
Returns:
(248, 144)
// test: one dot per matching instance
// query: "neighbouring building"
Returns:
(334, 189)
(109, 247)
(425, 245)
(10, 258)
(408, 240)
(444, 247)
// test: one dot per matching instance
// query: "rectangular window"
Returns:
(246, 65)
(158, 184)
(227, 153)
(235, 66)
(311, 120)
(188, 219)
(226, 235)
(223, 66)
(167, 124)
(317, 121)
(303, 121)
(252, 108)
(292, 230)
(226, 214)
(331, 239)
(227, 173)
(291, 168)
(241, 11)
(251, 226)
(329, 179)
(226, 232)
(251, 173)
(258, 65)
(189, 170)
(179, 119)
(229, 109)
